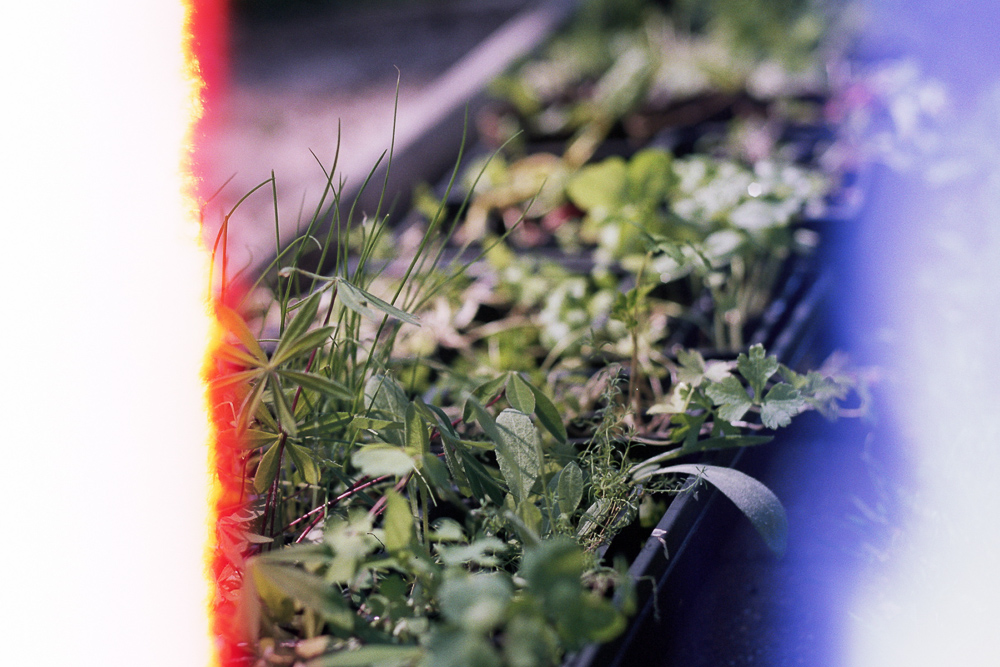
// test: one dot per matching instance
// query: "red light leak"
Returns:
(207, 49)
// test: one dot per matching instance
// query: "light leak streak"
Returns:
(104, 335)
(934, 282)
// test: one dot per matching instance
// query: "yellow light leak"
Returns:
(105, 329)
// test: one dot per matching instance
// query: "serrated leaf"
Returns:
(781, 403)
(754, 499)
(757, 368)
(517, 452)
(398, 525)
(519, 395)
(318, 383)
(692, 367)
(731, 397)
(267, 469)
(547, 414)
(569, 489)
(378, 460)
(362, 302)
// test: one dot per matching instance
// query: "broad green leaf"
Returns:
(599, 188)
(781, 403)
(359, 301)
(650, 175)
(398, 524)
(732, 398)
(378, 460)
(318, 383)
(417, 436)
(232, 321)
(519, 395)
(476, 602)
(372, 655)
(307, 342)
(757, 369)
(547, 414)
(310, 590)
(569, 489)
(726, 442)
(435, 471)
(518, 452)
(304, 462)
(267, 469)
(754, 499)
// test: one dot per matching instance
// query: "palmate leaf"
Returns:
(307, 342)
(752, 498)
(232, 322)
(304, 317)
(282, 406)
(360, 301)
(318, 383)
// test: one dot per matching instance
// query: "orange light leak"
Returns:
(106, 321)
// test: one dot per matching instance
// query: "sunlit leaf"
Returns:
(362, 302)
(378, 460)
(310, 590)
(398, 525)
(304, 462)
(307, 342)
